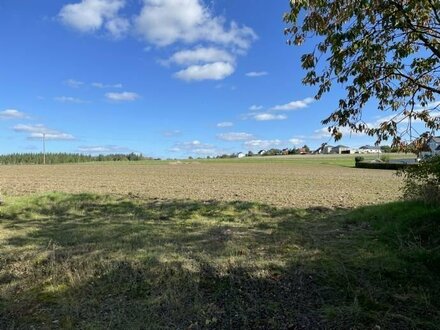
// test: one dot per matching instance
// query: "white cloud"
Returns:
(74, 83)
(262, 144)
(234, 136)
(164, 22)
(254, 74)
(255, 107)
(12, 114)
(323, 133)
(211, 71)
(196, 147)
(105, 149)
(69, 99)
(225, 124)
(124, 96)
(294, 105)
(92, 15)
(37, 131)
(267, 117)
(101, 85)
(296, 141)
(201, 55)
(117, 26)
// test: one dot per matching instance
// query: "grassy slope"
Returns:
(89, 261)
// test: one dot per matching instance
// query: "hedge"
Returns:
(383, 166)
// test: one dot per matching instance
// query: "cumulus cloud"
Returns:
(69, 99)
(36, 132)
(262, 144)
(124, 96)
(225, 124)
(103, 149)
(235, 136)
(254, 74)
(167, 22)
(201, 55)
(12, 114)
(267, 116)
(93, 15)
(210, 71)
(294, 105)
(164, 22)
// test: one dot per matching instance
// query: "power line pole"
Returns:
(44, 148)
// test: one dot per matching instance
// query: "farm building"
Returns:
(340, 149)
(241, 155)
(432, 147)
(261, 152)
(369, 150)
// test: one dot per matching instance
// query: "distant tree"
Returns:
(250, 153)
(384, 50)
(385, 149)
(306, 148)
(293, 151)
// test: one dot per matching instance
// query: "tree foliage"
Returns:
(422, 182)
(384, 51)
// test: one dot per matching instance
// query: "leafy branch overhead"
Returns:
(384, 51)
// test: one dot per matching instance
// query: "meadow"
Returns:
(262, 243)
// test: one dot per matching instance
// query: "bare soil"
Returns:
(278, 184)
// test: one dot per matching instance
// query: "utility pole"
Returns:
(44, 148)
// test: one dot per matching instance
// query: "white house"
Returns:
(241, 155)
(370, 150)
(433, 145)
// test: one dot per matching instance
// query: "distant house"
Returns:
(285, 151)
(432, 147)
(261, 152)
(241, 155)
(340, 149)
(370, 150)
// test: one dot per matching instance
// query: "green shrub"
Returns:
(358, 159)
(422, 182)
(385, 158)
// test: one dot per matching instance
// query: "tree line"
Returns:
(62, 157)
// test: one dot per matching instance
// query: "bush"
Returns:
(385, 158)
(422, 182)
(358, 159)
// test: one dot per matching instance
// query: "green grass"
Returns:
(331, 159)
(95, 262)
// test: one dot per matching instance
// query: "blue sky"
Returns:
(168, 78)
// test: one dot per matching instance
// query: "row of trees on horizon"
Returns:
(63, 157)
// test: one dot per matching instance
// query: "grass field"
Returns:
(155, 246)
